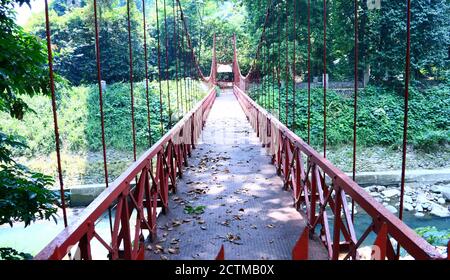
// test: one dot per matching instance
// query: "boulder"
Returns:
(439, 210)
(380, 188)
(419, 214)
(441, 200)
(419, 208)
(446, 194)
(391, 193)
(391, 208)
(408, 206)
(422, 198)
(375, 194)
(407, 199)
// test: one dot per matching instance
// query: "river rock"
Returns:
(446, 194)
(408, 207)
(427, 206)
(390, 193)
(391, 208)
(419, 214)
(419, 208)
(375, 194)
(380, 188)
(439, 210)
(441, 200)
(422, 198)
(407, 199)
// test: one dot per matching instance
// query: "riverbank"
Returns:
(87, 168)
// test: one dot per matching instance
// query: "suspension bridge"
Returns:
(230, 180)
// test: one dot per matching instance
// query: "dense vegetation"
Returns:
(26, 127)
(380, 120)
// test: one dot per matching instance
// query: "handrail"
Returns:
(153, 182)
(309, 185)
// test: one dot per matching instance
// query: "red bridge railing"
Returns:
(308, 174)
(155, 174)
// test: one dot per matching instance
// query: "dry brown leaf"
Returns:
(173, 251)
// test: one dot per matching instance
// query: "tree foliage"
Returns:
(24, 194)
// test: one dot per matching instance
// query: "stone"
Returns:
(422, 198)
(408, 206)
(441, 200)
(440, 211)
(391, 193)
(446, 194)
(375, 194)
(391, 208)
(380, 188)
(407, 199)
(419, 214)
(419, 208)
(426, 206)
(435, 189)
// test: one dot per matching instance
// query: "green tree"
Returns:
(24, 196)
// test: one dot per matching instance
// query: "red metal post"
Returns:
(300, 250)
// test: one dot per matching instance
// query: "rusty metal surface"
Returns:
(247, 209)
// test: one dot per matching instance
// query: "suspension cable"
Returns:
(406, 108)
(287, 64)
(273, 66)
(102, 119)
(166, 38)
(293, 65)
(159, 69)
(175, 38)
(55, 114)
(355, 99)
(131, 80)
(309, 71)
(279, 64)
(146, 75)
(324, 78)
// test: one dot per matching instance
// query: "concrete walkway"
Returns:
(245, 207)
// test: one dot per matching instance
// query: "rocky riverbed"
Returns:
(420, 199)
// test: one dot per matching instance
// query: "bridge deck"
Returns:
(246, 208)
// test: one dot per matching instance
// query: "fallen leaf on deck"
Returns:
(173, 251)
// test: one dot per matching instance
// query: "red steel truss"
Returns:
(156, 173)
